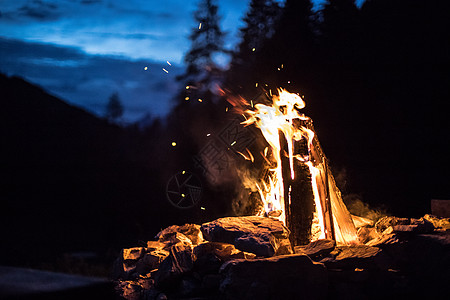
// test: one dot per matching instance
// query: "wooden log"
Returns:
(298, 193)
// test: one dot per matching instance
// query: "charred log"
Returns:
(298, 193)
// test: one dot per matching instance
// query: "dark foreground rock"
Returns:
(239, 258)
(284, 277)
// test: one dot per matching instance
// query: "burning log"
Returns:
(298, 194)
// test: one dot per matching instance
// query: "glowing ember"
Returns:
(282, 120)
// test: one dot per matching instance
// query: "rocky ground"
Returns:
(252, 258)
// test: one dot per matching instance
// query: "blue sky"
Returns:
(84, 50)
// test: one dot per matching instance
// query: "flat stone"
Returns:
(223, 251)
(318, 248)
(385, 222)
(438, 223)
(259, 235)
(191, 231)
(360, 256)
(281, 277)
(172, 238)
(155, 245)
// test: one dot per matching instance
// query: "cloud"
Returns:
(88, 80)
(39, 10)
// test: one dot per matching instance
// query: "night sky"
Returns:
(84, 50)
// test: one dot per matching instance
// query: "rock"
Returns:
(440, 208)
(317, 248)
(438, 223)
(385, 222)
(223, 251)
(211, 282)
(282, 277)
(360, 256)
(155, 245)
(191, 231)
(125, 264)
(361, 222)
(211, 255)
(180, 260)
(172, 238)
(150, 261)
(129, 290)
(366, 234)
(259, 235)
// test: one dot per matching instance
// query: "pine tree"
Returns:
(260, 26)
(114, 108)
(202, 71)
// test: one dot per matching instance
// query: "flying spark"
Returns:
(165, 70)
(168, 63)
(145, 68)
(199, 26)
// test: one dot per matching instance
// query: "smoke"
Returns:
(357, 207)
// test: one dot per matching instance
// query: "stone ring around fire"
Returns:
(184, 190)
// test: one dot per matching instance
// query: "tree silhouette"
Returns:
(114, 108)
(260, 26)
(202, 71)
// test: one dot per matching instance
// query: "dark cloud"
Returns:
(39, 10)
(88, 81)
(88, 2)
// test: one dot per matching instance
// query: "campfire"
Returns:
(298, 188)
(303, 243)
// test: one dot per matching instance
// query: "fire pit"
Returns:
(303, 243)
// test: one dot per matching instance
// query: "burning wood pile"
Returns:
(303, 243)
(252, 258)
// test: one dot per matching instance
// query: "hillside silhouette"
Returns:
(71, 181)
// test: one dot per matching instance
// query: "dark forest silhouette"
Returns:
(375, 80)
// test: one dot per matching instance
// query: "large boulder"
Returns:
(293, 276)
(264, 237)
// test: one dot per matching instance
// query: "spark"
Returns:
(183, 195)
(187, 98)
(278, 69)
(208, 134)
(145, 68)
(187, 87)
(251, 103)
(226, 109)
(174, 144)
(184, 172)
(165, 70)
(168, 63)
(202, 208)
(256, 85)
(254, 49)
(199, 26)
(289, 81)
(233, 143)
(200, 100)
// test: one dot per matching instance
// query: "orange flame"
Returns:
(279, 117)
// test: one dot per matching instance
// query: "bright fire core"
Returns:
(280, 119)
